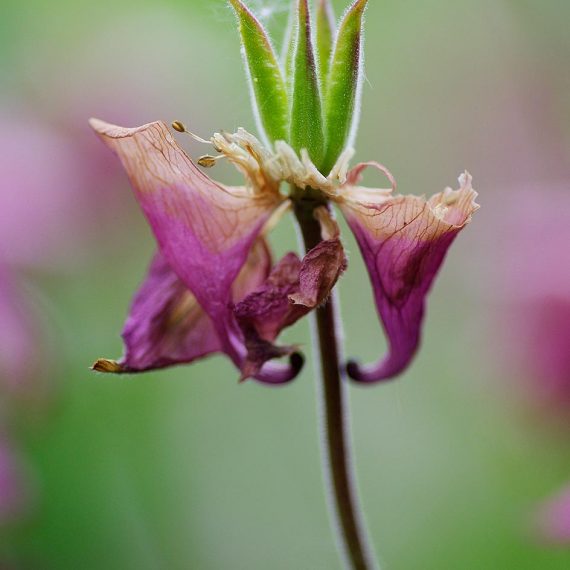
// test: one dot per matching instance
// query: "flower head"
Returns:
(212, 286)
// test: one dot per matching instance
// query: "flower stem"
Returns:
(336, 439)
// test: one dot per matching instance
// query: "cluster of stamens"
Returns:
(265, 169)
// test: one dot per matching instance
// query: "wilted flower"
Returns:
(212, 286)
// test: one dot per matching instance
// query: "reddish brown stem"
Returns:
(336, 438)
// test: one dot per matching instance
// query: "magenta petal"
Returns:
(205, 230)
(403, 240)
(166, 325)
(292, 290)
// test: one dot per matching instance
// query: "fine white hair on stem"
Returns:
(254, 104)
(358, 93)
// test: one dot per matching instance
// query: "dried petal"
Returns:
(205, 230)
(167, 326)
(403, 240)
(291, 291)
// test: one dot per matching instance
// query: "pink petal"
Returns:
(167, 326)
(205, 230)
(403, 240)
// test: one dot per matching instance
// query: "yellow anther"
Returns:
(208, 161)
(107, 366)
(181, 128)
(178, 126)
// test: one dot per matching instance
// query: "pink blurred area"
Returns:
(16, 487)
(19, 339)
(60, 187)
(531, 294)
(553, 520)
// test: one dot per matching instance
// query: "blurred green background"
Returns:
(187, 469)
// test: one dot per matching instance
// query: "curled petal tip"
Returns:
(279, 374)
(108, 366)
(372, 373)
(404, 241)
(353, 369)
(95, 123)
(297, 361)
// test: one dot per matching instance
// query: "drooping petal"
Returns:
(167, 326)
(205, 230)
(403, 240)
(292, 290)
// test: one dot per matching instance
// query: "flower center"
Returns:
(265, 169)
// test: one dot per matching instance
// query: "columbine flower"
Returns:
(212, 286)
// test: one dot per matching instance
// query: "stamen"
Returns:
(208, 161)
(178, 126)
(340, 169)
(312, 174)
(276, 216)
(265, 168)
(107, 366)
(181, 128)
(329, 228)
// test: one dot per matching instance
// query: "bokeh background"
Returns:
(186, 468)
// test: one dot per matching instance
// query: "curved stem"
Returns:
(334, 413)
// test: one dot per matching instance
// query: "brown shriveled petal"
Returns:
(292, 290)
(403, 240)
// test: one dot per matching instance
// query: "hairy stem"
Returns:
(337, 463)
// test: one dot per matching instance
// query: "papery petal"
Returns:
(554, 519)
(403, 240)
(167, 326)
(292, 290)
(204, 230)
